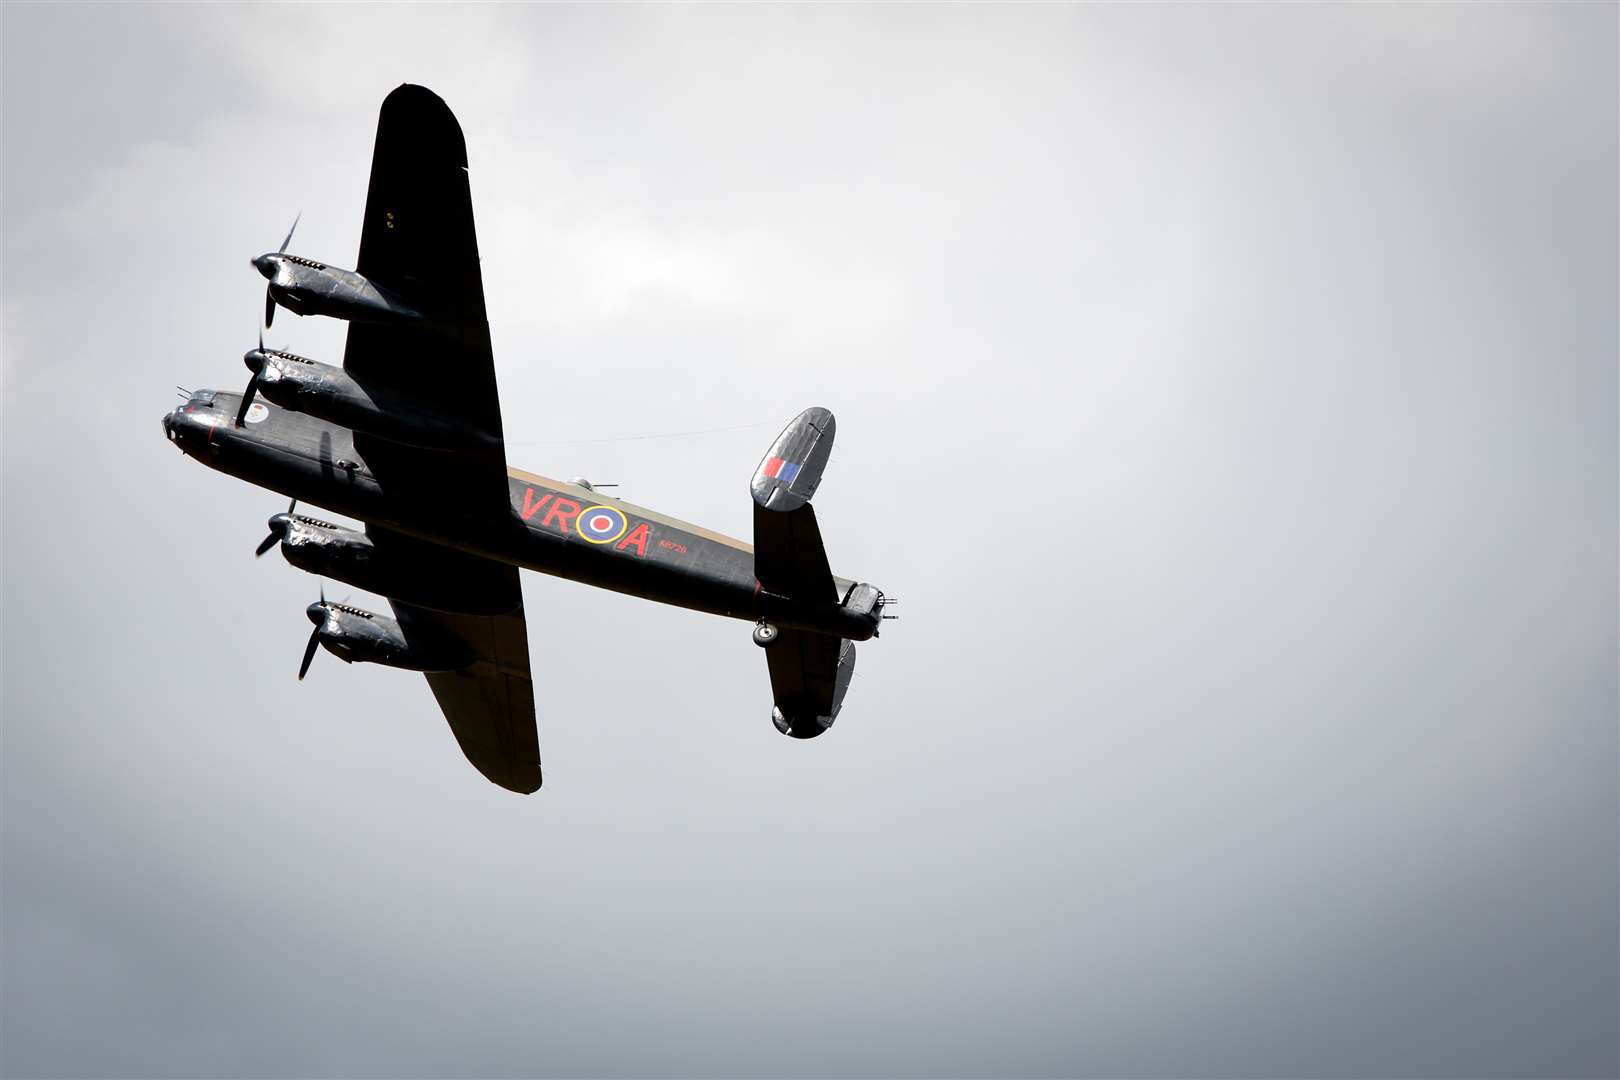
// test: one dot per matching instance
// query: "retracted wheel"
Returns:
(765, 635)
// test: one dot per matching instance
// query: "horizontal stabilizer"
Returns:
(789, 559)
(810, 675)
(792, 468)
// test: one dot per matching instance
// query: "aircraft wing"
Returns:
(490, 702)
(417, 239)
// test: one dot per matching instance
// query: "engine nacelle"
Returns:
(306, 287)
(330, 393)
(475, 587)
(356, 636)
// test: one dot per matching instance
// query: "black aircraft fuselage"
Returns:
(545, 525)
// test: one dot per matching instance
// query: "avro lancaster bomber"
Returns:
(406, 437)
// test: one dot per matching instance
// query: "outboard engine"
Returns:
(354, 635)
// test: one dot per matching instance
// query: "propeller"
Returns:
(267, 266)
(254, 359)
(317, 613)
(282, 250)
(309, 652)
(278, 530)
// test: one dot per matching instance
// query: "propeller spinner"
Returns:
(266, 265)
(279, 524)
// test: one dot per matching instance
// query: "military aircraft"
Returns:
(406, 437)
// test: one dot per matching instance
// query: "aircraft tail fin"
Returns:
(792, 467)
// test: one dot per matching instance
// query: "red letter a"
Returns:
(637, 539)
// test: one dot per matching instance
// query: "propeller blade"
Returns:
(247, 399)
(279, 525)
(282, 250)
(269, 308)
(309, 653)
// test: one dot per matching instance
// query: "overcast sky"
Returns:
(1229, 393)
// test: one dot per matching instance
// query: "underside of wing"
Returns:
(491, 714)
(418, 240)
(489, 701)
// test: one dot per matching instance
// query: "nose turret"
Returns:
(191, 426)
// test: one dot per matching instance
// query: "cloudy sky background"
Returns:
(1228, 392)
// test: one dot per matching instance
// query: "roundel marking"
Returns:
(256, 412)
(601, 524)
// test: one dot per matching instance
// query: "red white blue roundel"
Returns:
(602, 524)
